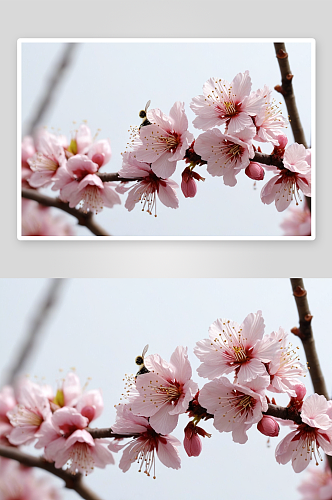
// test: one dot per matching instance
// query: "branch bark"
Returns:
(304, 332)
(54, 81)
(73, 482)
(86, 220)
(35, 329)
(286, 89)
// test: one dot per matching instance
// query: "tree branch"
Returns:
(304, 332)
(286, 89)
(306, 335)
(287, 413)
(263, 158)
(35, 329)
(108, 433)
(73, 482)
(54, 81)
(86, 220)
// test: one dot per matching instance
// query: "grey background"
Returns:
(108, 83)
(181, 259)
(100, 326)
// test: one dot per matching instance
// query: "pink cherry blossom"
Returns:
(165, 392)
(7, 403)
(146, 189)
(19, 483)
(285, 368)
(226, 103)
(27, 416)
(143, 447)
(302, 444)
(269, 120)
(67, 442)
(295, 177)
(79, 184)
(41, 221)
(240, 348)
(45, 162)
(235, 408)
(165, 141)
(297, 221)
(226, 155)
(268, 426)
(318, 486)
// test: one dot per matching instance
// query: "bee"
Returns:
(140, 362)
(143, 114)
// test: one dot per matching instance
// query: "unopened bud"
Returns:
(268, 426)
(88, 412)
(192, 442)
(255, 171)
(98, 158)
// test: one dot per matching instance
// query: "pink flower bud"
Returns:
(98, 158)
(300, 391)
(282, 139)
(255, 171)
(189, 187)
(268, 426)
(188, 184)
(192, 442)
(88, 412)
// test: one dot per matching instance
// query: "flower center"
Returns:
(240, 354)
(91, 200)
(230, 108)
(42, 162)
(171, 142)
(81, 458)
(24, 417)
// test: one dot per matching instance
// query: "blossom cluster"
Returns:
(241, 363)
(56, 423)
(72, 167)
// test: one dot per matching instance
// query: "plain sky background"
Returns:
(108, 83)
(100, 326)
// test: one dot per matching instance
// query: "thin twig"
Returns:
(263, 158)
(35, 330)
(53, 83)
(73, 482)
(108, 433)
(86, 220)
(306, 335)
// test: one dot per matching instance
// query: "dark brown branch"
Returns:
(35, 329)
(110, 177)
(86, 220)
(287, 413)
(306, 335)
(53, 83)
(286, 89)
(263, 158)
(73, 482)
(108, 433)
(304, 332)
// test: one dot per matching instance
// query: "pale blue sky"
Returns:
(101, 325)
(110, 82)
